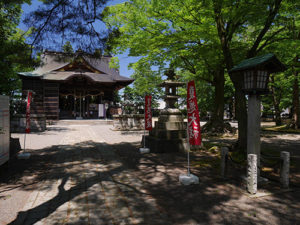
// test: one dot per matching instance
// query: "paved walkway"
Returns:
(88, 174)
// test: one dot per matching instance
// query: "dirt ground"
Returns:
(89, 174)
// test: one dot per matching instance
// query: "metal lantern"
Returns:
(256, 81)
(256, 72)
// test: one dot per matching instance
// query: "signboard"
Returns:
(4, 129)
(194, 132)
(148, 114)
(101, 110)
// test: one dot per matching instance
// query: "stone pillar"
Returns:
(224, 161)
(253, 134)
(252, 174)
(285, 169)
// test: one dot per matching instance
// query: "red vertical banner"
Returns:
(148, 114)
(29, 97)
(194, 132)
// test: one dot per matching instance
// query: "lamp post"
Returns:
(255, 84)
(255, 73)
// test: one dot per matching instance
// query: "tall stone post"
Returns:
(285, 169)
(224, 161)
(252, 174)
(253, 134)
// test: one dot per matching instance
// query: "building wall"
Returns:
(36, 85)
(51, 100)
(45, 97)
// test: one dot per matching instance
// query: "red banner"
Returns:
(148, 114)
(194, 132)
(29, 96)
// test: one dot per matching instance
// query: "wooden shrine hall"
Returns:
(75, 85)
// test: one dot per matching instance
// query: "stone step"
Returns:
(84, 122)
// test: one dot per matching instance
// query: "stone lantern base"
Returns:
(168, 134)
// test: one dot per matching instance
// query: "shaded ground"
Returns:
(88, 174)
(272, 143)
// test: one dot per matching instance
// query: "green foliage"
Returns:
(200, 37)
(146, 83)
(97, 53)
(116, 97)
(286, 46)
(152, 30)
(14, 52)
(67, 48)
(205, 93)
(163, 33)
(114, 63)
(283, 86)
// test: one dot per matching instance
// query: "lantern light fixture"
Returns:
(256, 72)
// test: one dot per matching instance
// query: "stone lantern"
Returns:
(171, 85)
(255, 72)
(169, 132)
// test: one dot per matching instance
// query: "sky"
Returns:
(124, 59)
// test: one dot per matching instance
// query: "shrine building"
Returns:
(67, 86)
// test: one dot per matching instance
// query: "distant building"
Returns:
(70, 86)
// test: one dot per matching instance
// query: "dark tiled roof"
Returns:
(268, 61)
(52, 62)
(65, 75)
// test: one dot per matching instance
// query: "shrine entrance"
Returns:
(76, 86)
(81, 98)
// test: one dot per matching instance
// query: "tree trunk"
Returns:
(276, 102)
(240, 113)
(219, 81)
(296, 111)
(240, 101)
(216, 123)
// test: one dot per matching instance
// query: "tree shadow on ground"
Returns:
(97, 183)
(48, 130)
(214, 200)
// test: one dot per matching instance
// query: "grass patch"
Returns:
(208, 145)
(207, 163)
(270, 152)
(282, 129)
(239, 157)
(267, 169)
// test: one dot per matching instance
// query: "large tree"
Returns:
(171, 32)
(203, 37)
(14, 52)
(284, 87)
(256, 24)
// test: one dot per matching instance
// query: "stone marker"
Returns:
(224, 158)
(252, 174)
(285, 169)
